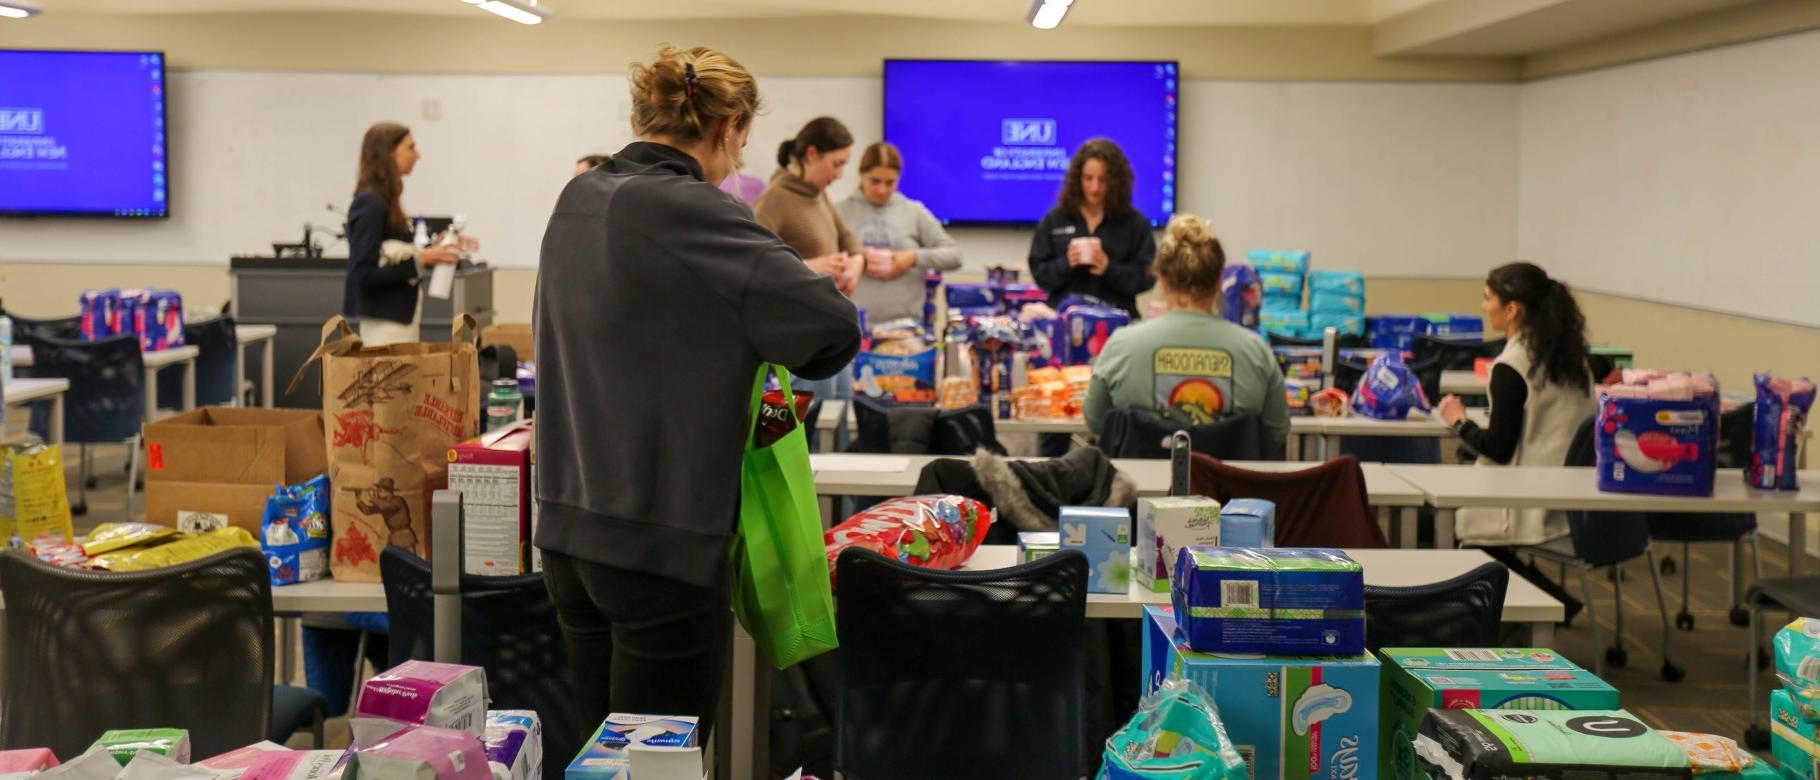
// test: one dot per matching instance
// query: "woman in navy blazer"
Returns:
(381, 292)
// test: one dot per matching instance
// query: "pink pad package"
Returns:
(234, 763)
(421, 693)
(26, 761)
(295, 765)
(424, 753)
(1777, 426)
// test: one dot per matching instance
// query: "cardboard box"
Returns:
(607, 755)
(1104, 534)
(1248, 522)
(1296, 718)
(264, 447)
(243, 505)
(1291, 601)
(1792, 738)
(1032, 545)
(1417, 679)
(514, 335)
(1164, 526)
(493, 474)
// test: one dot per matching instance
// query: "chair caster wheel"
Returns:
(1672, 673)
(1684, 621)
(1616, 657)
(79, 509)
(1763, 659)
(1740, 617)
(1668, 566)
(91, 483)
(1756, 738)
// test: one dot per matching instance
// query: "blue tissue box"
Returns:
(1320, 321)
(1290, 261)
(1104, 534)
(1279, 284)
(1290, 717)
(1283, 601)
(1248, 522)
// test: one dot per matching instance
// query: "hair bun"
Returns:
(1191, 230)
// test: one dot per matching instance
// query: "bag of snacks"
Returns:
(934, 532)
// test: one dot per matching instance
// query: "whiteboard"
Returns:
(1397, 179)
(1692, 180)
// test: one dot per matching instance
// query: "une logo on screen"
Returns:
(22, 120)
(1028, 132)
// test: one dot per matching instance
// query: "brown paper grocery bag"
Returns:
(390, 415)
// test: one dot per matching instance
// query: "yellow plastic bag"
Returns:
(181, 551)
(32, 496)
(108, 537)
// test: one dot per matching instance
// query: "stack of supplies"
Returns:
(1491, 745)
(1777, 426)
(1176, 734)
(1658, 433)
(1052, 393)
(154, 315)
(1396, 332)
(1336, 299)
(1271, 600)
(1281, 277)
(1241, 295)
(1795, 706)
(623, 744)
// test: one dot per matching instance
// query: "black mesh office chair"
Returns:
(104, 405)
(508, 627)
(912, 669)
(1462, 612)
(1734, 452)
(1798, 596)
(55, 327)
(217, 365)
(187, 646)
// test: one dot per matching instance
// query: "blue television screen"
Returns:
(988, 142)
(82, 134)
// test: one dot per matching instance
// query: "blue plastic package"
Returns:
(1280, 303)
(1017, 295)
(1776, 430)
(1342, 282)
(1176, 734)
(1323, 302)
(1389, 389)
(294, 533)
(100, 314)
(1284, 601)
(1656, 446)
(896, 379)
(1088, 329)
(1320, 321)
(1455, 325)
(1283, 321)
(1396, 331)
(1798, 664)
(1281, 284)
(1241, 295)
(1289, 261)
(972, 295)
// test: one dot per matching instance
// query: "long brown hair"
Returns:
(1553, 328)
(379, 171)
(1118, 177)
(881, 153)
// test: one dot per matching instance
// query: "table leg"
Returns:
(151, 395)
(824, 439)
(189, 385)
(1385, 524)
(1444, 529)
(1541, 635)
(1330, 447)
(287, 648)
(1797, 544)
(1293, 448)
(1406, 527)
(239, 370)
(751, 727)
(266, 348)
(57, 419)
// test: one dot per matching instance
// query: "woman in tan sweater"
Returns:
(795, 206)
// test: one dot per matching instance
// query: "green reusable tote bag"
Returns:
(781, 591)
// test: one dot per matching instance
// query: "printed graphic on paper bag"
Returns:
(381, 500)
(354, 547)
(355, 428)
(382, 382)
(441, 414)
(1193, 385)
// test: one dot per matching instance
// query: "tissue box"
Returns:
(422, 753)
(607, 755)
(297, 765)
(1248, 522)
(1287, 601)
(1032, 545)
(1167, 524)
(420, 693)
(1104, 534)
(1354, 324)
(1297, 718)
(122, 744)
(26, 761)
(514, 744)
(1418, 679)
(1288, 261)
(1350, 284)
(1646, 445)
(1794, 741)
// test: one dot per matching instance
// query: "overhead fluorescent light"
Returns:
(1047, 14)
(18, 9)
(520, 11)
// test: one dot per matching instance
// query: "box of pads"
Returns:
(28, 761)
(606, 756)
(1104, 534)
(1288, 261)
(1657, 446)
(297, 765)
(123, 743)
(1032, 545)
(1285, 601)
(1248, 522)
(1297, 718)
(1794, 740)
(514, 744)
(422, 753)
(1165, 525)
(420, 693)
(1418, 679)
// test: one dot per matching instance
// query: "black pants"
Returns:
(639, 643)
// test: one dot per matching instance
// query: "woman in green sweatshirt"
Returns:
(1190, 364)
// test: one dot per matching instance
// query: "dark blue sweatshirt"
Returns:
(388, 293)
(1130, 249)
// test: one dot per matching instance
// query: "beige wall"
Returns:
(1750, 22)
(388, 43)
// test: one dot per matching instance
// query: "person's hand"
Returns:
(1452, 410)
(902, 261)
(879, 263)
(439, 255)
(827, 265)
(1098, 262)
(852, 267)
(468, 244)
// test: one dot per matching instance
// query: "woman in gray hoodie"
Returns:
(903, 240)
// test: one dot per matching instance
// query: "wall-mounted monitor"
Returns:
(83, 133)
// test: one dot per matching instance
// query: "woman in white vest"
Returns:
(1541, 390)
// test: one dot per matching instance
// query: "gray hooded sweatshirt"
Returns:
(658, 297)
(901, 223)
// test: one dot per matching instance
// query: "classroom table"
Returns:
(1462, 383)
(154, 362)
(1451, 488)
(266, 337)
(748, 735)
(24, 390)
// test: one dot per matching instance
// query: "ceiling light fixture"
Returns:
(18, 9)
(1047, 14)
(520, 11)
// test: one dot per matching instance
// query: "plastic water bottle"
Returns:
(504, 404)
(6, 350)
(421, 236)
(442, 280)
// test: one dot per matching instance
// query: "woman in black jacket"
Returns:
(1094, 242)
(658, 297)
(383, 265)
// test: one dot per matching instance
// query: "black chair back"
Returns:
(911, 664)
(1454, 355)
(1139, 433)
(1347, 372)
(57, 327)
(186, 646)
(508, 627)
(1343, 341)
(106, 400)
(922, 430)
(217, 365)
(1602, 538)
(1462, 612)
